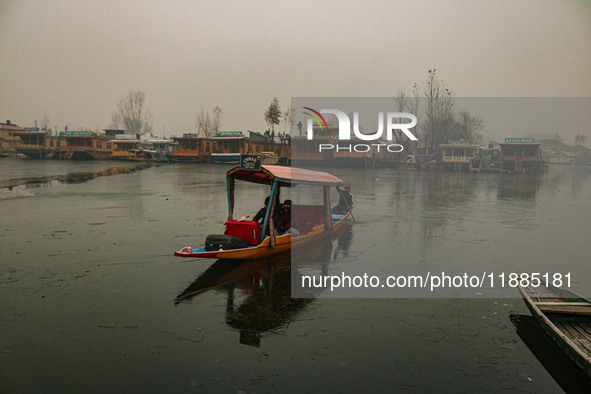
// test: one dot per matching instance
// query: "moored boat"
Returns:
(84, 145)
(226, 158)
(310, 222)
(565, 318)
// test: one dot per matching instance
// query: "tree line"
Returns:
(432, 104)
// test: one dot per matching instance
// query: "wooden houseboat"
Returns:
(7, 138)
(124, 147)
(456, 155)
(486, 160)
(37, 144)
(308, 151)
(192, 149)
(229, 145)
(562, 159)
(84, 145)
(521, 155)
(163, 149)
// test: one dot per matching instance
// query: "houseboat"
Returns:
(84, 145)
(229, 145)
(37, 144)
(486, 160)
(305, 151)
(521, 155)
(456, 155)
(124, 147)
(562, 159)
(163, 149)
(191, 148)
(7, 138)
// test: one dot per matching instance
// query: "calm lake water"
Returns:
(94, 301)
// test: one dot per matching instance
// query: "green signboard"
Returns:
(81, 132)
(459, 142)
(229, 133)
(518, 140)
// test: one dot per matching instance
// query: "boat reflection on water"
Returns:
(258, 292)
(70, 178)
(564, 372)
(519, 187)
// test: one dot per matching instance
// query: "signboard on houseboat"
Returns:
(459, 142)
(125, 137)
(80, 132)
(229, 133)
(519, 140)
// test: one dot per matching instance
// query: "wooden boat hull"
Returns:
(226, 158)
(283, 244)
(565, 318)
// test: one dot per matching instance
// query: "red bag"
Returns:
(249, 230)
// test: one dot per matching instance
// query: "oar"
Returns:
(348, 206)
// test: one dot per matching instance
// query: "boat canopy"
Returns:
(285, 176)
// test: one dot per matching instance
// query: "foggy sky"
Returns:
(73, 60)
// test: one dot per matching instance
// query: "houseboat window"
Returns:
(530, 151)
(109, 146)
(207, 147)
(258, 148)
(509, 152)
(249, 148)
(99, 145)
(51, 143)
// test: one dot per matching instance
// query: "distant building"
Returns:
(114, 132)
(539, 137)
(7, 138)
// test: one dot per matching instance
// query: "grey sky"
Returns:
(72, 60)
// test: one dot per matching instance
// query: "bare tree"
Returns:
(580, 139)
(132, 114)
(466, 126)
(287, 119)
(411, 105)
(45, 123)
(115, 120)
(216, 119)
(439, 111)
(203, 123)
(207, 124)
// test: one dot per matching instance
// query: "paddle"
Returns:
(348, 206)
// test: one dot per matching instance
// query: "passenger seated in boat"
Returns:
(283, 225)
(346, 201)
(260, 215)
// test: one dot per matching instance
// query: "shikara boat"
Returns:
(565, 318)
(225, 158)
(313, 222)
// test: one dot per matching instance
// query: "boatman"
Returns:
(346, 201)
